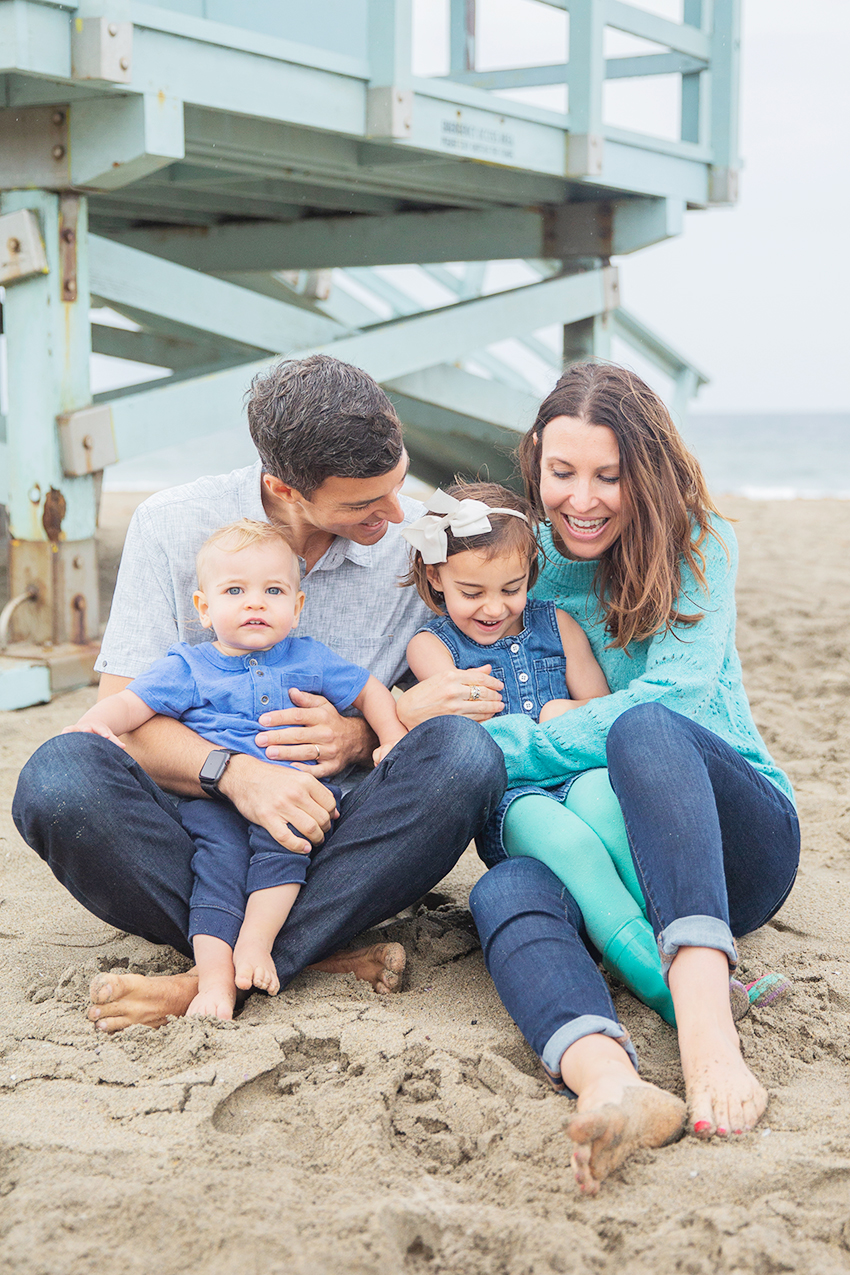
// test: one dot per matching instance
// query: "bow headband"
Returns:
(461, 517)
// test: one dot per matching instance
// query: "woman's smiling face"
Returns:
(580, 486)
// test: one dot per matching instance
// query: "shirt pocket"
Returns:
(550, 678)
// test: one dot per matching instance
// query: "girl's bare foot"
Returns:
(381, 964)
(255, 967)
(723, 1094)
(120, 1000)
(217, 999)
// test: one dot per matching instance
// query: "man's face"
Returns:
(357, 509)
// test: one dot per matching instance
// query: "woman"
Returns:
(634, 550)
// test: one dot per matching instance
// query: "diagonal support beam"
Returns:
(146, 283)
(170, 413)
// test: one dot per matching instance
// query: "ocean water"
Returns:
(763, 457)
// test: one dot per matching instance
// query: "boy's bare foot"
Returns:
(119, 1000)
(255, 967)
(381, 964)
(217, 999)
(723, 1094)
(615, 1117)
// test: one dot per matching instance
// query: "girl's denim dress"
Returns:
(533, 670)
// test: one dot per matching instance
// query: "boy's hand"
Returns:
(295, 735)
(94, 728)
(379, 754)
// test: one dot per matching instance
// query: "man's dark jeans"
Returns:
(114, 839)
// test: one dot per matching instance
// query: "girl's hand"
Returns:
(448, 692)
(94, 728)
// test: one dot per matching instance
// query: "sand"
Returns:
(328, 1130)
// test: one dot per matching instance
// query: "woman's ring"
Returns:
(318, 751)
(475, 692)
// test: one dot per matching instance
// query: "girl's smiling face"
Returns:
(484, 597)
(580, 486)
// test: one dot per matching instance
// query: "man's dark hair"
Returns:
(317, 418)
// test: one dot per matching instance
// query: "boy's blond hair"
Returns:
(242, 534)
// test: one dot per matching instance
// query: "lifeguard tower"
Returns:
(234, 178)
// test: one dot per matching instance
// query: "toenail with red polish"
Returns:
(702, 1125)
(722, 1132)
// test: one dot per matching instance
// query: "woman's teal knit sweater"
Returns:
(693, 670)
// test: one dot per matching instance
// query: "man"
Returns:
(332, 463)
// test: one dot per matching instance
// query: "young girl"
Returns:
(476, 556)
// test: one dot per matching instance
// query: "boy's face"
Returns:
(251, 598)
(485, 598)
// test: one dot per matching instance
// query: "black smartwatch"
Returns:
(213, 769)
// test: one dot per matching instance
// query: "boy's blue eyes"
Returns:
(236, 589)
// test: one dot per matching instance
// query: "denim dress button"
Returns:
(523, 677)
(527, 705)
(514, 647)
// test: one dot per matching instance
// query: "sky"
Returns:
(756, 295)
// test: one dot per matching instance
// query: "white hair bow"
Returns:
(461, 517)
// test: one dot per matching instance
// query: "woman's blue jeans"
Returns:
(715, 847)
(114, 839)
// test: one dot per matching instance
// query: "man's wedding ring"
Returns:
(475, 692)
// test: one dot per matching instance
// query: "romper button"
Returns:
(515, 647)
(523, 677)
(260, 673)
(252, 663)
(527, 705)
(264, 700)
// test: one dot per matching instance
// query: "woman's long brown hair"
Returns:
(665, 505)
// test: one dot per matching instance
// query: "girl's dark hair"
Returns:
(664, 498)
(508, 535)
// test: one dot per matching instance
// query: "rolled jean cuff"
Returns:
(695, 931)
(217, 922)
(586, 1025)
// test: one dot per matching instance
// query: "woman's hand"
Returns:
(470, 692)
(314, 732)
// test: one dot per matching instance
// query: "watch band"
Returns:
(213, 769)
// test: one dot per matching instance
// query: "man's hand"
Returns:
(447, 692)
(275, 796)
(315, 725)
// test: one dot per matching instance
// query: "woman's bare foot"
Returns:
(255, 967)
(614, 1119)
(217, 1000)
(723, 1094)
(120, 1000)
(381, 964)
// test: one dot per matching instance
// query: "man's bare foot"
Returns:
(217, 999)
(120, 1000)
(381, 964)
(723, 1094)
(615, 1117)
(255, 967)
